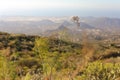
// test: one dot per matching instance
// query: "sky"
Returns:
(98, 8)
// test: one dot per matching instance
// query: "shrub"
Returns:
(100, 71)
(7, 69)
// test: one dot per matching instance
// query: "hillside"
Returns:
(36, 57)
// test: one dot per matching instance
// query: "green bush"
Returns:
(7, 69)
(100, 71)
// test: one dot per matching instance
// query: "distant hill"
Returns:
(84, 25)
(103, 23)
(46, 22)
(27, 27)
(66, 23)
(39, 26)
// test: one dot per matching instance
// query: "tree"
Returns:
(76, 20)
(48, 60)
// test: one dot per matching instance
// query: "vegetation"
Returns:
(100, 71)
(47, 58)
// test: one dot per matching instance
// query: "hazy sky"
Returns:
(110, 8)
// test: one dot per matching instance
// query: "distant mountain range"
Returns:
(38, 26)
(103, 23)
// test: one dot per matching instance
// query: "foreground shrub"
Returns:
(100, 71)
(7, 69)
